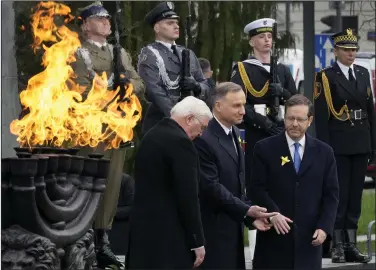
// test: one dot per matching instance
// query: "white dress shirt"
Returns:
(345, 69)
(168, 45)
(291, 142)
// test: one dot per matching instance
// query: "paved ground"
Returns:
(326, 264)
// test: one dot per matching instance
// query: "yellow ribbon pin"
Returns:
(285, 160)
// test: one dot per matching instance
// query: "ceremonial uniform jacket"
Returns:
(92, 59)
(255, 83)
(344, 112)
(161, 71)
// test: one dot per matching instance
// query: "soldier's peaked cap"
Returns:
(259, 26)
(345, 39)
(96, 9)
(162, 11)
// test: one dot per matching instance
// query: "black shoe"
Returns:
(106, 259)
(352, 253)
(338, 252)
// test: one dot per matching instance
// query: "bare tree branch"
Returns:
(369, 20)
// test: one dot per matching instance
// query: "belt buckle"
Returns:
(358, 114)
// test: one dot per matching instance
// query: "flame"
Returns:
(57, 115)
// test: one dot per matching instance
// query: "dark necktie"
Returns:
(174, 50)
(351, 76)
(232, 140)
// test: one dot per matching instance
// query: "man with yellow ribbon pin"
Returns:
(253, 76)
(294, 175)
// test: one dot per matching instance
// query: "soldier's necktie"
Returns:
(351, 76)
(174, 50)
(297, 159)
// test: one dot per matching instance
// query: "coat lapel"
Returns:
(360, 86)
(224, 141)
(241, 164)
(308, 155)
(346, 85)
(239, 148)
(179, 50)
(285, 152)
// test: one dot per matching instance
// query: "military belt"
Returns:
(355, 115)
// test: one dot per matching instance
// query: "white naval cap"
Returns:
(259, 26)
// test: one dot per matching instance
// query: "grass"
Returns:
(363, 247)
(368, 214)
(246, 243)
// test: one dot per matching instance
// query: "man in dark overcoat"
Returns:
(224, 209)
(166, 230)
(261, 118)
(295, 175)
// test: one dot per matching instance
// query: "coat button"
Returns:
(297, 184)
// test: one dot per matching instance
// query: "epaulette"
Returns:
(360, 67)
(325, 69)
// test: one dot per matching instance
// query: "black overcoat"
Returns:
(222, 197)
(165, 218)
(309, 198)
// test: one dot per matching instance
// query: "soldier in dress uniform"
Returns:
(345, 119)
(253, 75)
(160, 66)
(96, 56)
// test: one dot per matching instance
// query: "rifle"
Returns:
(185, 54)
(121, 78)
(273, 70)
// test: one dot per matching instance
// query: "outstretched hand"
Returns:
(259, 212)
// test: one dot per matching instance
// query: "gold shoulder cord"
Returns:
(248, 85)
(329, 101)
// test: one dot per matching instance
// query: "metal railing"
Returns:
(369, 239)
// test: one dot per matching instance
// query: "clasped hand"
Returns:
(261, 215)
(276, 89)
(190, 84)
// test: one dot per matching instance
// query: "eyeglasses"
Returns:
(203, 127)
(292, 119)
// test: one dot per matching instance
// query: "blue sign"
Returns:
(324, 55)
